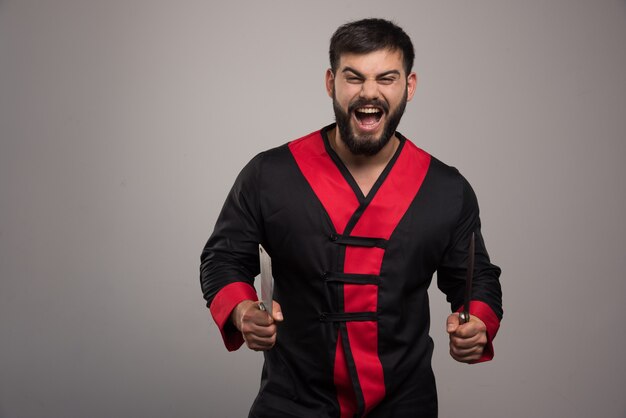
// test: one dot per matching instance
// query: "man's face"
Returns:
(369, 93)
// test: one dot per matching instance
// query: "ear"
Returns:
(411, 85)
(330, 82)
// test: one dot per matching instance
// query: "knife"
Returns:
(465, 315)
(267, 281)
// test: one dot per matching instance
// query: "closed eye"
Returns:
(386, 80)
(354, 80)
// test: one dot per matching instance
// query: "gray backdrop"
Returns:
(124, 123)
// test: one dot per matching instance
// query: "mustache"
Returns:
(364, 102)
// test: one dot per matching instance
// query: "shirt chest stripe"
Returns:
(331, 188)
(377, 219)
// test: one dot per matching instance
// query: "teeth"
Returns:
(368, 110)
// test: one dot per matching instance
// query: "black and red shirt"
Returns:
(351, 275)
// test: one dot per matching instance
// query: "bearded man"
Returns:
(356, 219)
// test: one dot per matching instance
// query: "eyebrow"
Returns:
(359, 74)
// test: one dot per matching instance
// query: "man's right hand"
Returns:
(257, 326)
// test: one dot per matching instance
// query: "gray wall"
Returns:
(124, 123)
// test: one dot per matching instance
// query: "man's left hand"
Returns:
(467, 341)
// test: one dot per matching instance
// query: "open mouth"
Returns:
(368, 117)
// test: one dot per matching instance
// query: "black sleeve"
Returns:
(451, 274)
(232, 252)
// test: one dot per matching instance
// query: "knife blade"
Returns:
(267, 281)
(464, 316)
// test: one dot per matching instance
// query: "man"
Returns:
(357, 219)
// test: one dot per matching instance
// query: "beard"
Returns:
(367, 145)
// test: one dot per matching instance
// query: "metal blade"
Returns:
(267, 280)
(465, 315)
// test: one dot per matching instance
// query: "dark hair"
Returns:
(369, 35)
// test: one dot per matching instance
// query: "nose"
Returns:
(369, 90)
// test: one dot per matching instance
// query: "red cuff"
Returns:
(482, 311)
(222, 306)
